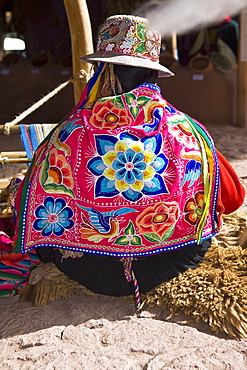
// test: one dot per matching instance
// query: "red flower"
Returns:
(194, 208)
(109, 116)
(59, 170)
(159, 218)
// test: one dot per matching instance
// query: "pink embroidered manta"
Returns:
(125, 176)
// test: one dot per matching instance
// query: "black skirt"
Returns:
(105, 275)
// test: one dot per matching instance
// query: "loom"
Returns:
(32, 134)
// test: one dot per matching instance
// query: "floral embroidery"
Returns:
(153, 44)
(129, 237)
(128, 166)
(154, 112)
(54, 217)
(129, 40)
(145, 173)
(56, 174)
(137, 40)
(59, 171)
(135, 102)
(106, 115)
(109, 47)
(194, 208)
(149, 42)
(183, 134)
(157, 223)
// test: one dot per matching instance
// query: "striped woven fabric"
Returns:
(14, 271)
(14, 268)
(34, 136)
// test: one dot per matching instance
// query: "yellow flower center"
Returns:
(159, 218)
(111, 117)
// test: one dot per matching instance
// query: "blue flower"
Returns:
(129, 166)
(53, 217)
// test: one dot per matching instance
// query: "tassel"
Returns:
(90, 91)
(209, 169)
(130, 276)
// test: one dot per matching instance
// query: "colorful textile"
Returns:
(5, 242)
(130, 276)
(15, 270)
(34, 136)
(124, 176)
(129, 40)
(232, 188)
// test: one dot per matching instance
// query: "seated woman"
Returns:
(127, 191)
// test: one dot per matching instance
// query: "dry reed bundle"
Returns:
(215, 292)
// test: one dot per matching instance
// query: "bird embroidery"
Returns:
(101, 224)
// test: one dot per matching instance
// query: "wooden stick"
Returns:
(81, 39)
(4, 161)
(13, 154)
(15, 129)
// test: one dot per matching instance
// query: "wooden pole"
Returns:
(242, 72)
(81, 39)
(174, 45)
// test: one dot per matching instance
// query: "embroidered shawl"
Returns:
(125, 176)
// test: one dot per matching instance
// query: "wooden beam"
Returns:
(81, 39)
(242, 72)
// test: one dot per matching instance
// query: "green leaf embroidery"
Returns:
(152, 237)
(60, 189)
(141, 31)
(129, 229)
(130, 97)
(140, 47)
(121, 240)
(118, 102)
(141, 100)
(134, 111)
(136, 240)
(44, 171)
(103, 99)
(168, 233)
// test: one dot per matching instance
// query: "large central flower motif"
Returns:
(106, 115)
(53, 217)
(158, 219)
(128, 166)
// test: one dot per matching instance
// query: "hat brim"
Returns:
(127, 60)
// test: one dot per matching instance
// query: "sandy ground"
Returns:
(92, 332)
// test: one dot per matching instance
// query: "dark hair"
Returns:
(131, 77)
